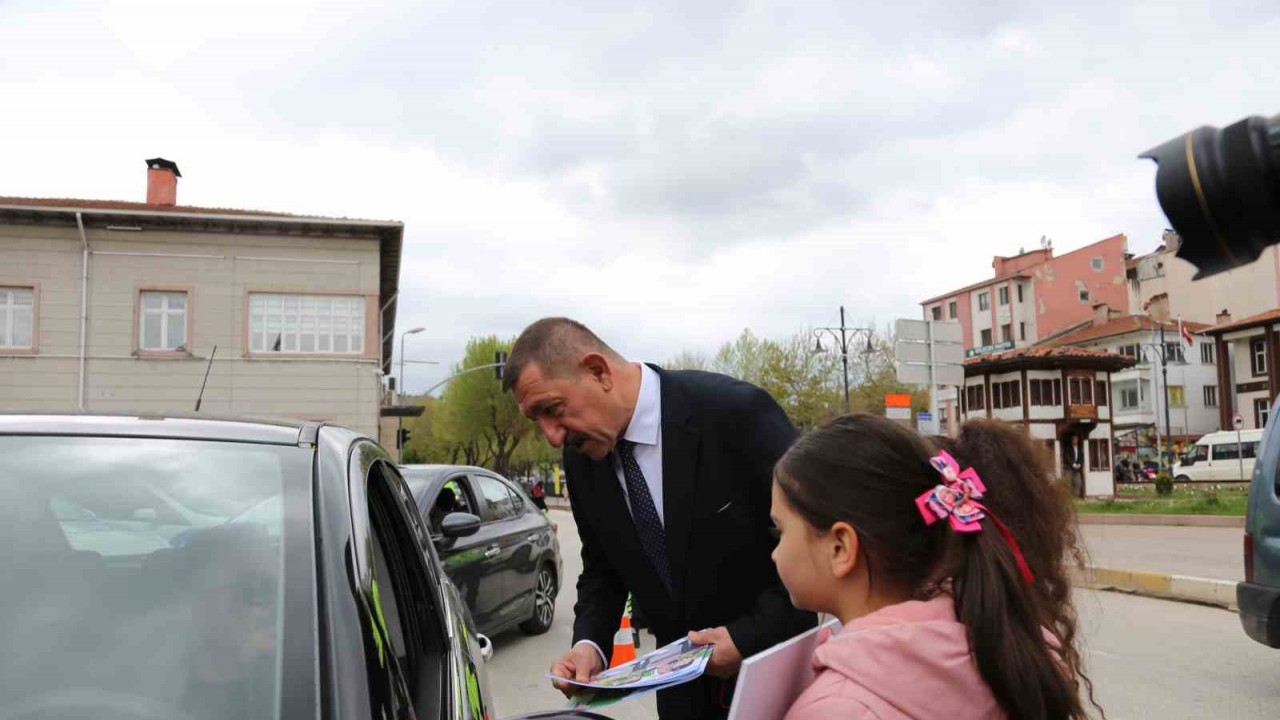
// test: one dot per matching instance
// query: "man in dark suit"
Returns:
(669, 476)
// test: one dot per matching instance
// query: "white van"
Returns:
(1216, 457)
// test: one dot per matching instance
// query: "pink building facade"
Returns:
(1032, 296)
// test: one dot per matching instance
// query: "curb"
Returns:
(1233, 521)
(1184, 588)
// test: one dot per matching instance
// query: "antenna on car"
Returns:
(207, 368)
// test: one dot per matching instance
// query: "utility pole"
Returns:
(1164, 374)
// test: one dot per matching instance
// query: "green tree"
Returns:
(687, 360)
(424, 445)
(477, 420)
(798, 377)
(535, 457)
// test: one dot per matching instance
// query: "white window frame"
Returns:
(162, 315)
(984, 301)
(1002, 295)
(306, 324)
(9, 312)
(1125, 394)
(1211, 396)
(1208, 354)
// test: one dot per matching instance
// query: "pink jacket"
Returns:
(910, 660)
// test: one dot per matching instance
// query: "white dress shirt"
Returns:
(645, 430)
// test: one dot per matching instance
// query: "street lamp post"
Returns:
(1161, 350)
(400, 392)
(844, 336)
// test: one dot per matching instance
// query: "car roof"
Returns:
(431, 472)
(161, 425)
(1228, 435)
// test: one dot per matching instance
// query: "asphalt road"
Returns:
(1147, 658)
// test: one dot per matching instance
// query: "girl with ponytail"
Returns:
(946, 563)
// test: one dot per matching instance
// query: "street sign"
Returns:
(898, 413)
(926, 424)
(917, 374)
(1237, 422)
(897, 400)
(944, 331)
(988, 349)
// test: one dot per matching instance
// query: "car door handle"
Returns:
(492, 551)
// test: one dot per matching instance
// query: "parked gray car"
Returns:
(191, 568)
(1259, 595)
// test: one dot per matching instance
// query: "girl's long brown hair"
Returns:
(867, 471)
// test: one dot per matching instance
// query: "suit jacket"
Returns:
(720, 440)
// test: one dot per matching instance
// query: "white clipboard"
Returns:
(770, 681)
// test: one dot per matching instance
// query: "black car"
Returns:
(509, 570)
(189, 568)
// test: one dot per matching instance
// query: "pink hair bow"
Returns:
(956, 499)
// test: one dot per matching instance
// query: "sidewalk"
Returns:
(1207, 552)
(1189, 564)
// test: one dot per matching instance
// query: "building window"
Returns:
(1100, 454)
(1129, 351)
(1261, 411)
(1096, 264)
(984, 301)
(1211, 396)
(1006, 332)
(1045, 393)
(1208, 354)
(1129, 398)
(1022, 331)
(1019, 293)
(952, 310)
(1177, 398)
(1002, 295)
(1173, 353)
(1258, 356)
(975, 395)
(306, 324)
(986, 336)
(1100, 392)
(937, 312)
(1080, 391)
(162, 321)
(17, 317)
(1084, 295)
(1006, 394)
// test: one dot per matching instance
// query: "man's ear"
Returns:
(597, 367)
(844, 549)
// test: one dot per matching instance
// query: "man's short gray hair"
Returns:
(555, 345)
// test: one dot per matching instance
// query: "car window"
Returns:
(1250, 450)
(147, 568)
(399, 594)
(1200, 453)
(1225, 451)
(453, 497)
(497, 501)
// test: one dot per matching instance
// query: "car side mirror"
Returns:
(458, 524)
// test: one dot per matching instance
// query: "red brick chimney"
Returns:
(162, 182)
(1223, 317)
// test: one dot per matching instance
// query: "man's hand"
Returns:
(580, 663)
(725, 659)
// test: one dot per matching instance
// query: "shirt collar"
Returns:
(646, 421)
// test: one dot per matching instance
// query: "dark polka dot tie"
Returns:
(643, 512)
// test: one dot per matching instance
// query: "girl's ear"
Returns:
(844, 549)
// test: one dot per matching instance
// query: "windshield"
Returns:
(142, 578)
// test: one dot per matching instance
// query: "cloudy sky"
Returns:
(668, 172)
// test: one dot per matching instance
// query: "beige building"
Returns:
(118, 306)
(1161, 285)
(1248, 379)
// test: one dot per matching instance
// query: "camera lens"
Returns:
(1221, 191)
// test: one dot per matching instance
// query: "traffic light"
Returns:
(499, 362)
(402, 438)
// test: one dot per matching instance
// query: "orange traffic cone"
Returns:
(624, 641)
